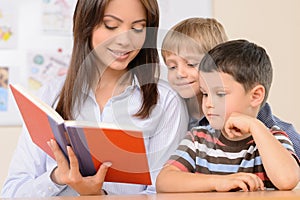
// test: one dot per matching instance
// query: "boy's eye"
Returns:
(171, 67)
(204, 94)
(193, 64)
(221, 94)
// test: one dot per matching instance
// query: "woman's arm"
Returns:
(29, 172)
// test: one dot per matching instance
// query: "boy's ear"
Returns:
(257, 95)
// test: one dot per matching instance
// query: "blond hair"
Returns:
(196, 34)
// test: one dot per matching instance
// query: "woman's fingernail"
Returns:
(107, 164)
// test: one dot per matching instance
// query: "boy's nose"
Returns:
(209, 102)
(181, 72)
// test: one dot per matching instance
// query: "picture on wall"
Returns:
(44, 66)
(8, 26)
(57, 16)
(4, 75)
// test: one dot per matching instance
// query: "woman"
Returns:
(112, 78)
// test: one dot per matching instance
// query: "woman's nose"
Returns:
(123, 38)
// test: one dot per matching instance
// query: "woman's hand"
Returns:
(70, 175)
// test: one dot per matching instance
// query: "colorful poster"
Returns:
(44, 66)
(57, 16)
(4, 74)
(8, 26)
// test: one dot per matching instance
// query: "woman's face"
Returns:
(121, 34)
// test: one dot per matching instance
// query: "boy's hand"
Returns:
(70, 175)
(239, 181)
(238, 125)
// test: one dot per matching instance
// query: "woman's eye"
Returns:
(138, 29)
(110, 27)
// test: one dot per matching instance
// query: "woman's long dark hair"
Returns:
(83, 73)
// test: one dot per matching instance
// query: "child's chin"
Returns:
(217, 126)
(187, 94)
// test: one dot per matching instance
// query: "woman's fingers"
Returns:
(101, 173)
(60, 172)
(58, 154)
(74, 165)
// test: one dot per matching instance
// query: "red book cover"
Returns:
(41, 122)
(92, 142)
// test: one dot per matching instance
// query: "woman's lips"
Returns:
(119, 55)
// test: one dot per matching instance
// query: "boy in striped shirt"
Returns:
(235, 151)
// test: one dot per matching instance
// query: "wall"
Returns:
(275, 26)
(8, 142)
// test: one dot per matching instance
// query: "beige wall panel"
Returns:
(275, 25)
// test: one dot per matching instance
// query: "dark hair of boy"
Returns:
(248, 63)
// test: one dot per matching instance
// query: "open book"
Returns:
(93, 143)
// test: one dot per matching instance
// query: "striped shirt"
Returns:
(266, 116)
(205, 150)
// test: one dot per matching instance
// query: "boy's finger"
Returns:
(243, 186)
(261, 184)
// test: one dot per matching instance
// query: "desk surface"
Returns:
(266, 195)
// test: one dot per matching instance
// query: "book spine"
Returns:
(60, 135)
(81, 149)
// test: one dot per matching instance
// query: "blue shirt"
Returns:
(30, 168)
(265, 115)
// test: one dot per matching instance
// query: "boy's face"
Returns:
(183, 74)
(222, 95)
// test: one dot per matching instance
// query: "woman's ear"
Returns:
(257, 95)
